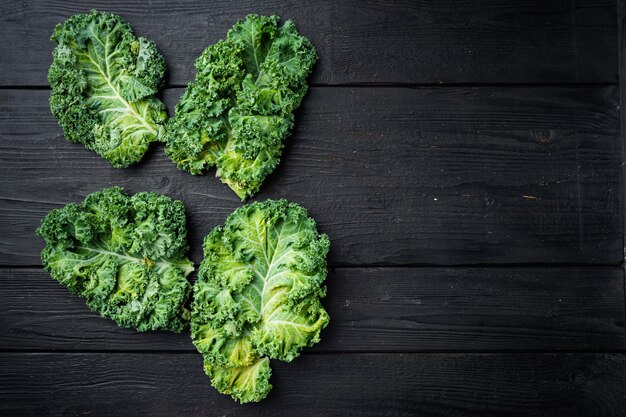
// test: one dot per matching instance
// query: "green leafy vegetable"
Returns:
(103, 82)
(258, 295)
(240, 107)
(125, 255)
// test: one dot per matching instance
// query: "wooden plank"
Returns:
(393, 175)
(381, 385)
(376, 41)
(372, 310)
(621, 11)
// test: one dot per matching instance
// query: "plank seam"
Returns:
(386, 85)
(328, 353)
(421, 265)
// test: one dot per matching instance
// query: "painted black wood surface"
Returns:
(465, 157)
(394, 175)
(381, 385)
(373, 310)
(362, 42)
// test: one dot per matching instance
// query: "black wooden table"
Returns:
(463, 156)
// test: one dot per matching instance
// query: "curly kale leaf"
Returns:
(125, 255)
(238, 111)
(258, 295)
(103, 82)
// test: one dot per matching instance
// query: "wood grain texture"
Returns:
(371, 310)
(512, 385)
(374, 41)
(396, 176)
(393, 175)
(621, 11)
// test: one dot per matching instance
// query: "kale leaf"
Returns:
(125, 255)
(103, 81)
(257, 296)
(238, 111)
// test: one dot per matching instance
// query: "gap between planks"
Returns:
(389, 85)
(191, 351)
(331, 267)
